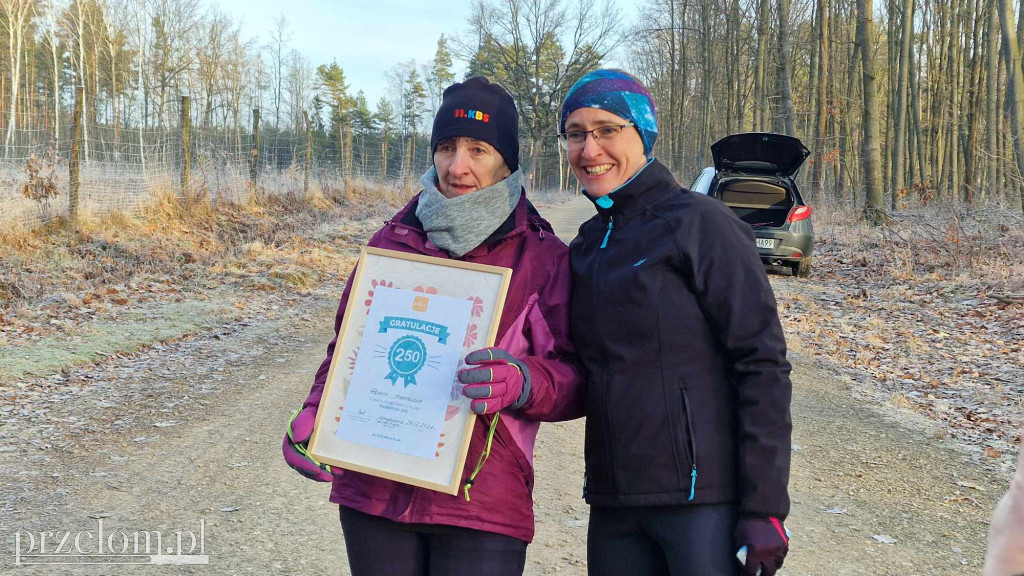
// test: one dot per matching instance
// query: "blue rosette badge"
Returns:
(407, 356)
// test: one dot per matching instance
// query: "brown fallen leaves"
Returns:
(917, 319)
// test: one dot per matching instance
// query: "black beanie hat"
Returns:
(479, 109)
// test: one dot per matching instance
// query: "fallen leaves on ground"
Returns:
(926, 334)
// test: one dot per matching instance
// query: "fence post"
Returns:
(348, 155)
(309, 154)
(186, 148)
(408, 161)
(73, 169)
(384, 156)
(254, 159)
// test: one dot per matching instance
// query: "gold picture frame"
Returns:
(485, 286)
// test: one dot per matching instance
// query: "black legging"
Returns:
(662, 541)
(381, 547)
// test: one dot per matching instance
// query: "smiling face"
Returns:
(603, 165)
(465, 165)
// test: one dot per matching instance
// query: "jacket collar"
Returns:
(650, 184)
(405, 227)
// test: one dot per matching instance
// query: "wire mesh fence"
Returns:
(121, 169)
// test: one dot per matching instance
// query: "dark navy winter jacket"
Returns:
(688, 397)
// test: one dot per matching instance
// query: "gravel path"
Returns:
(191, 432)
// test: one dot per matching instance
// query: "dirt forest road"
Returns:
(875, 491)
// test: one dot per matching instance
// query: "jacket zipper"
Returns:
(608, 438)
(693, 444)
(604, 242)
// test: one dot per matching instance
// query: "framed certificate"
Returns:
(391, 406)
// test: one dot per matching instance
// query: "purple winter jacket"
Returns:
(534, 328)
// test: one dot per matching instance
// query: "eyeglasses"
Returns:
(577, 138)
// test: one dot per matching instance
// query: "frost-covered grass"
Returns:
(980, 246)
(61, 287)
(85, 342)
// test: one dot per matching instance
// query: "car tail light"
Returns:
(800, 213)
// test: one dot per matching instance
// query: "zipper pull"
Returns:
(608, 233)
(693, 481)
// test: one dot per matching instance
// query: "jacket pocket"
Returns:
(599, 442)
(514, 455)
(690, 443)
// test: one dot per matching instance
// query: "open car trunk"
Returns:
(757, 202)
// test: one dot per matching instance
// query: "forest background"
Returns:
(931, 86)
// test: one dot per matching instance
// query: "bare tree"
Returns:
(278, 47)
(298, 86)
(785, 93)
(17, 15)
(212, 58)
(53, 41)
(175, 26)
(760, 90)
(991, 96)
(78, 14)
(898, 182)
(871, 157)
(1015, 78)
(522, 47)
(821, 114)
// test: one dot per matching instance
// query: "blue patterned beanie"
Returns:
(619, 93)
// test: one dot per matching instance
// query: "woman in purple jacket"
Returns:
(472, 208)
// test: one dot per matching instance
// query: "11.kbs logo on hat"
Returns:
(472, 115)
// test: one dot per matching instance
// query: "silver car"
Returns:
(754, 175)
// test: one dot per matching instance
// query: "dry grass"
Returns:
(176, 245)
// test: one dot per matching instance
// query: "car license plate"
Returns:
(765, 243)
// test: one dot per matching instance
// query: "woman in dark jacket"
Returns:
(688, 419)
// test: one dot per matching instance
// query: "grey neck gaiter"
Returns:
(460, 224)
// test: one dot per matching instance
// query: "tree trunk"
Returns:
(732, 59)
(892, 56)
(737, 54)
(80, 25)
(784, 68)
(954, 78)
(821, 116)
(56, 75)
(992, 100)
(706, 69)
(871, 159)
(673, 90)
(899, 181)
(812, 90)
(973, 102)
(937, 97)
(844, 142)
(1015, 79)
(760, 90)
(14, 54)
(915, 104)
